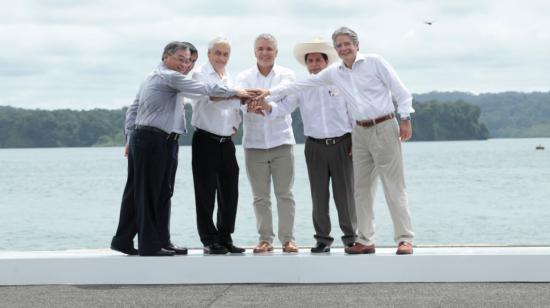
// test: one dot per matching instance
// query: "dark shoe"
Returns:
(404, 248)
(159, 253)
(214, 249)
(359, 248)
(177, 249)
(234, 249)
(129, 250)
(320, 247)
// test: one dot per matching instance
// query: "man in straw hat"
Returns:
(328, 126)
(368, 83)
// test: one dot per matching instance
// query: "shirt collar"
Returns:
(359, 58)
(275, 70)
(209, 69)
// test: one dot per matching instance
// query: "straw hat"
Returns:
(315, 45)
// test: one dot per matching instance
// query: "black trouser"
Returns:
(127, 225)
(172, 151)
(215, 168)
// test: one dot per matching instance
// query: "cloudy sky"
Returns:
(93, 54)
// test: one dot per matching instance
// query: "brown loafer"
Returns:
(289, 246)
(263, 246)
(359, 248)
(404, 248)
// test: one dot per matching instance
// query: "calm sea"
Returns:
(461, 192)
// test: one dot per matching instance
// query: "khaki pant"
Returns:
(262, 166)
(377, 153)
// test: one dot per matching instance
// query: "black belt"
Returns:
(330, 141)
(372, 122)
(218, 138)
(171, 136)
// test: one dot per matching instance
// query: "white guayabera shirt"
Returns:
(218, 117)
(368, 87)
(261, 132)
(323, 110)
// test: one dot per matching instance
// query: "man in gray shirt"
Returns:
(127, 225)
(148, 143)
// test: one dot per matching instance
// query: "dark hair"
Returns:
(192, 49)
(173, 47)
(322, 54)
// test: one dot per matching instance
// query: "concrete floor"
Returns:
(281, 295)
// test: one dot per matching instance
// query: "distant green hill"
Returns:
(507, 114)
(439, 116)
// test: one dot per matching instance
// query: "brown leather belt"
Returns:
(330, 141)
(372, 122)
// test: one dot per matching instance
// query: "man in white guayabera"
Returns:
(268, 150)
(368, 83)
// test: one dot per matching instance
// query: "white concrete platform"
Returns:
(428, 264)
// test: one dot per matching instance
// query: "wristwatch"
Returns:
(405, 118)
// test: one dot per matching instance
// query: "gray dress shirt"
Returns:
(157, 97)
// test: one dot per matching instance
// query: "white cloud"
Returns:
(86, 54)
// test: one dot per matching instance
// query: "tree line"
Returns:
(23, 128)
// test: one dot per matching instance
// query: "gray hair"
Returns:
(267, 37)
(218, 40)
(345, 31)
(173, 47)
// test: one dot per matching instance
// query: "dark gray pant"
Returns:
(326, 162)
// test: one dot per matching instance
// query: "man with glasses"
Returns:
(148, 147)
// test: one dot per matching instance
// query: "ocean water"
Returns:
(460, 192)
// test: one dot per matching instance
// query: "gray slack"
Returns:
(263, 165)
(330, 162)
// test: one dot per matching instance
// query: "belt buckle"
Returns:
(222, 139)
(330, 141)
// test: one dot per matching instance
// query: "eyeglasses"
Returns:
(183, 60)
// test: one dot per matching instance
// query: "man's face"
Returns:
(315, 62)
(194, 57)
(219, 55)
(265, 53)
(179, 61)
(347, 51)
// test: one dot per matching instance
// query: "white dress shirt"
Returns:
(324, 112)
(368, 87)
(262, 132)
(218, 117)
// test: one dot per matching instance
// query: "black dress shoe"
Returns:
(214, 249)
(129, 250)
(234, 249)
(177, 249)
(320, 247)
(159, 253)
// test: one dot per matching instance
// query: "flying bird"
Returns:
(428, 22)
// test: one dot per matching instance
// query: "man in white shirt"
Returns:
(328, 126)
(215, 168)
(268, 147)
(368, 83)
